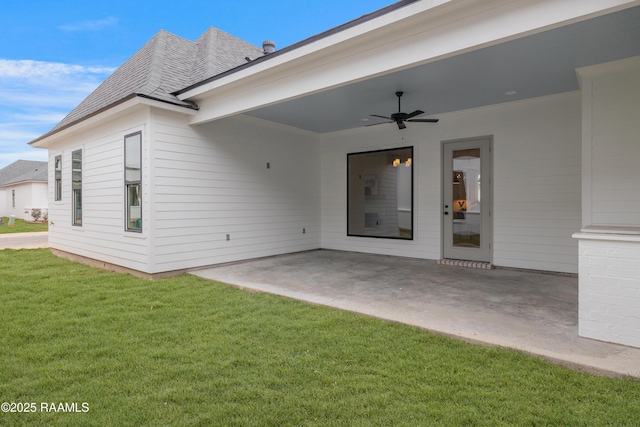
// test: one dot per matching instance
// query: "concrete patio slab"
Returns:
(24, 240)
(529, 311)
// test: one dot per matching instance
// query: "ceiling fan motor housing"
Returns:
(399, 118)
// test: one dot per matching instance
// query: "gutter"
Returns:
(191, 106)
(26, 181)
(305, 42)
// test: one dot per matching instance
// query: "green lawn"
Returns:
(185, 351)
(21, 226)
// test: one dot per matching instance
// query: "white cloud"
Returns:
(34, 119)
(95, 25)
(53, 97)
(17, 134)
(26, 154)
(26, 69)
(35, 96)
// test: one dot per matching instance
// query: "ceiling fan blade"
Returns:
(381, 123)
(424, 120)
(401, 125)
(415, 113)
(382, 117)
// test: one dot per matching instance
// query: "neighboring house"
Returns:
(205, 152)
(23, 188)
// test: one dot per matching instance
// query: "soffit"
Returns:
(535, 65)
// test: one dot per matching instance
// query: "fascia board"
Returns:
(109, 114)
(319, 45)
(28, 181)
(608, 67)
(407, 37)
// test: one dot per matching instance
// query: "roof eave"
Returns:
(186, 107)
(197, 88)
(419, 33)
(26, 181)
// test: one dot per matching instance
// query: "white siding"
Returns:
(536, 180)
(609, 276)
(36, 198)
(21, 200)
(612, 143)
(28, 195)
(18, 197)
(39, 195)
(212, 181)
(101, 236)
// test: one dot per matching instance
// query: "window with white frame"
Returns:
(58, 178)
(133, 181)
(76, 186)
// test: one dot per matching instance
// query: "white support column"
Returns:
(609, 284)
(609, 247)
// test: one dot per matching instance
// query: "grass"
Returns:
(21, 226)
(187, 352)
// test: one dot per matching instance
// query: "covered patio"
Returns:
(307, 148)
(528, 311)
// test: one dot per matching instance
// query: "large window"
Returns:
(133, 181)
(380, 193)
(76, 186)
(58, 178)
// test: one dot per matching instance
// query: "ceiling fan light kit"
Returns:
(400, 118)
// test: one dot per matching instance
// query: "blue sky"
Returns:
(54, 53)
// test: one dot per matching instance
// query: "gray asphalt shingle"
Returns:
(163, 66)
(23, 170)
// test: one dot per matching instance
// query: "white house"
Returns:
(23, 188)
(205, 152)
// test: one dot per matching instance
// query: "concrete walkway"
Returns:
(528, 311)
(24, 240)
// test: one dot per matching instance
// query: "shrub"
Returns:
(36, 214)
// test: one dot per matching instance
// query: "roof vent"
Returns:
(268, 46)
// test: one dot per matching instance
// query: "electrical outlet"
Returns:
(228, 237)
(304, 230)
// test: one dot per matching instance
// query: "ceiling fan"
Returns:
(400, 118)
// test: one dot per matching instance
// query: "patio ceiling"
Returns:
(535, 65)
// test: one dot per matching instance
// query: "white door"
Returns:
(467, 199)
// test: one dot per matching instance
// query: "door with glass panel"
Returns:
(467, 200)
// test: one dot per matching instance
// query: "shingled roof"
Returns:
(163, 66)
(23, 171)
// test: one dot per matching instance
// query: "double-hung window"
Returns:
(76, 186)
(133, 181)
(58, 178)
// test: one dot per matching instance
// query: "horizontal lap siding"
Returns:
(537, 187)
(615, 149)
(212, 180)
(335, 148)
(536, 181)
(102, 234)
